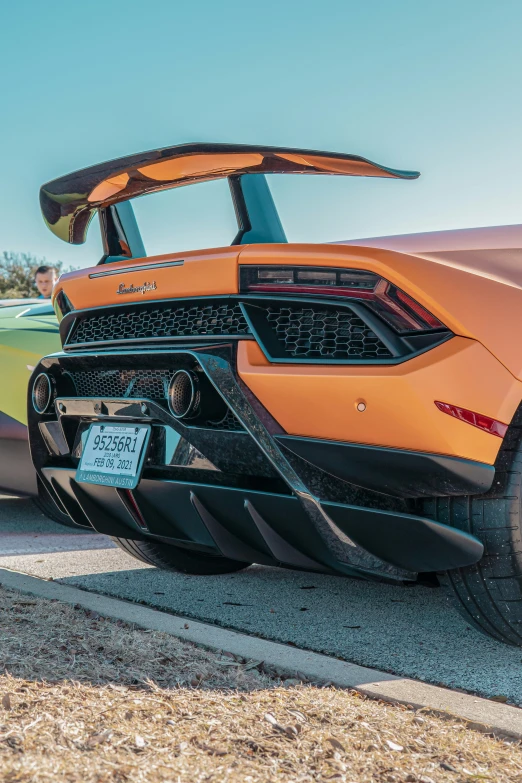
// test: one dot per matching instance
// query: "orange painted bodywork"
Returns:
(479, 369)
(203, 273)
(321, 402)
(472, 302)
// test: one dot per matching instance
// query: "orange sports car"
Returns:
(349, 408)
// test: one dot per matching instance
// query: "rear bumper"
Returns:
(321, 402)
(268, 528)
(395, 472)
(255, 494)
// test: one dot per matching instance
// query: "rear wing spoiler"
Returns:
(69, 203)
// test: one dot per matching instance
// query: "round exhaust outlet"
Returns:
(43, 392)
(184, 394)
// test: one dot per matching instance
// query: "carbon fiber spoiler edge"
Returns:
(69, 203)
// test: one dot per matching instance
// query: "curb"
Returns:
(481, 714)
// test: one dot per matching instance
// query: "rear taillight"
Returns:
(485, 423)
(394, 306)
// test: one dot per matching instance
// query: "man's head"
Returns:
(44, 278)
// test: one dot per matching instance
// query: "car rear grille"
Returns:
(292, 330)
(312, 332)
(228, 422)
(122, 383)
(189, 320)
(151, 384)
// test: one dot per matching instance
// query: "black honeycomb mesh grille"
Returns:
(153, 384)
(190, 319)
(303, 331)
(312, 332)
(228, 422)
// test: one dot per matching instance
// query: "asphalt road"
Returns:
(409, 631)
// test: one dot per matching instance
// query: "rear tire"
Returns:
(489, 593)
(173, 558)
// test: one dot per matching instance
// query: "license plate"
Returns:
(113, 455)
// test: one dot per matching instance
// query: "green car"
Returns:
(28, 331)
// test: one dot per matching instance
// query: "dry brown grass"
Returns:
(88, 699)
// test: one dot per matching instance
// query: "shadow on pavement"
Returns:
(410, 632)
(20, 515)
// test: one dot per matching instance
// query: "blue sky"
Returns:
(434, 86)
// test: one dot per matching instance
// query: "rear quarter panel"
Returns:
(484, 306)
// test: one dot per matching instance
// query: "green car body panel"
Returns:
(27, 332)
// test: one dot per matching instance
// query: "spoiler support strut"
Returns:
(256, 214)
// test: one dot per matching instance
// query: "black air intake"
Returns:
(188, 319)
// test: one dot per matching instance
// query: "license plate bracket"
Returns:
(113, 455)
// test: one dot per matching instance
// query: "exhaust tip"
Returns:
(43, 392)
(184, 394)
